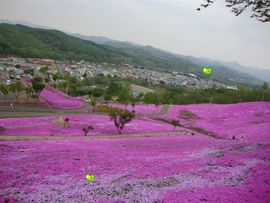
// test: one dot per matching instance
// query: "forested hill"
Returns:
(40, 43)
(25, 41)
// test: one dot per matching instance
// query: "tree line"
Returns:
(106, 87)
(16, 87)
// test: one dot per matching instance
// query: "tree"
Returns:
(38, 85)
(57, 76)
(18, 66)
(121, 118)
(44, 69)
(260, 8)
(86, 129)
(139, 97)
(71, 79)
(98, 92)
(47, 80)
(107, 96)
(4, 90)
(90, 92)
(93, 103)
(16, 87)
(114, 88)
(171, 95)
(264, 89)
(125, 94)
(71, 83)
(29, 71)
(133, 102)
(28, 90)
(150, 98)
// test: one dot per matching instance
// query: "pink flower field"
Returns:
(58, 99)
(250, 120)
(40, 126)
(156, 169)
(167, 168)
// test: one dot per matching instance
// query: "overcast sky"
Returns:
(171, 25)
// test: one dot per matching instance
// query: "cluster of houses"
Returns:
(14, 68)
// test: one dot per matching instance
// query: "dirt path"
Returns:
(136, 135)
(6, 112)
(37, 112)
(164, 110)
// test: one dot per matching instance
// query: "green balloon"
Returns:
(90, 177)
(207, 70)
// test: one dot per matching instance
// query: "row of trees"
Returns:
(178, 95)
(97, 87)
(108, 87)
(104, 88)
(17, 87)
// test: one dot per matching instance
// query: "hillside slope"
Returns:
(33, 42)
(60, 100)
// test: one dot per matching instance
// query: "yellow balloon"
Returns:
(207, 70)
(90, 177)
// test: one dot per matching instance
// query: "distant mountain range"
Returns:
(262, 74)
(221, 67)
(48, 43)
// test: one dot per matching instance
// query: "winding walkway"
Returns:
(135, 135)
(6, 112)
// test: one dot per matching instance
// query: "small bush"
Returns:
(59, 121)
(162, 120)
(172, 122)
(107, 109)
(175, 123)
(2, 129)
(86, 129)
(203, 131)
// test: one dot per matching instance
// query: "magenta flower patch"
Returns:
(102, 126)
(58, 99)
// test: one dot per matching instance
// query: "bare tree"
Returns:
(260, 8)
(86, 129)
